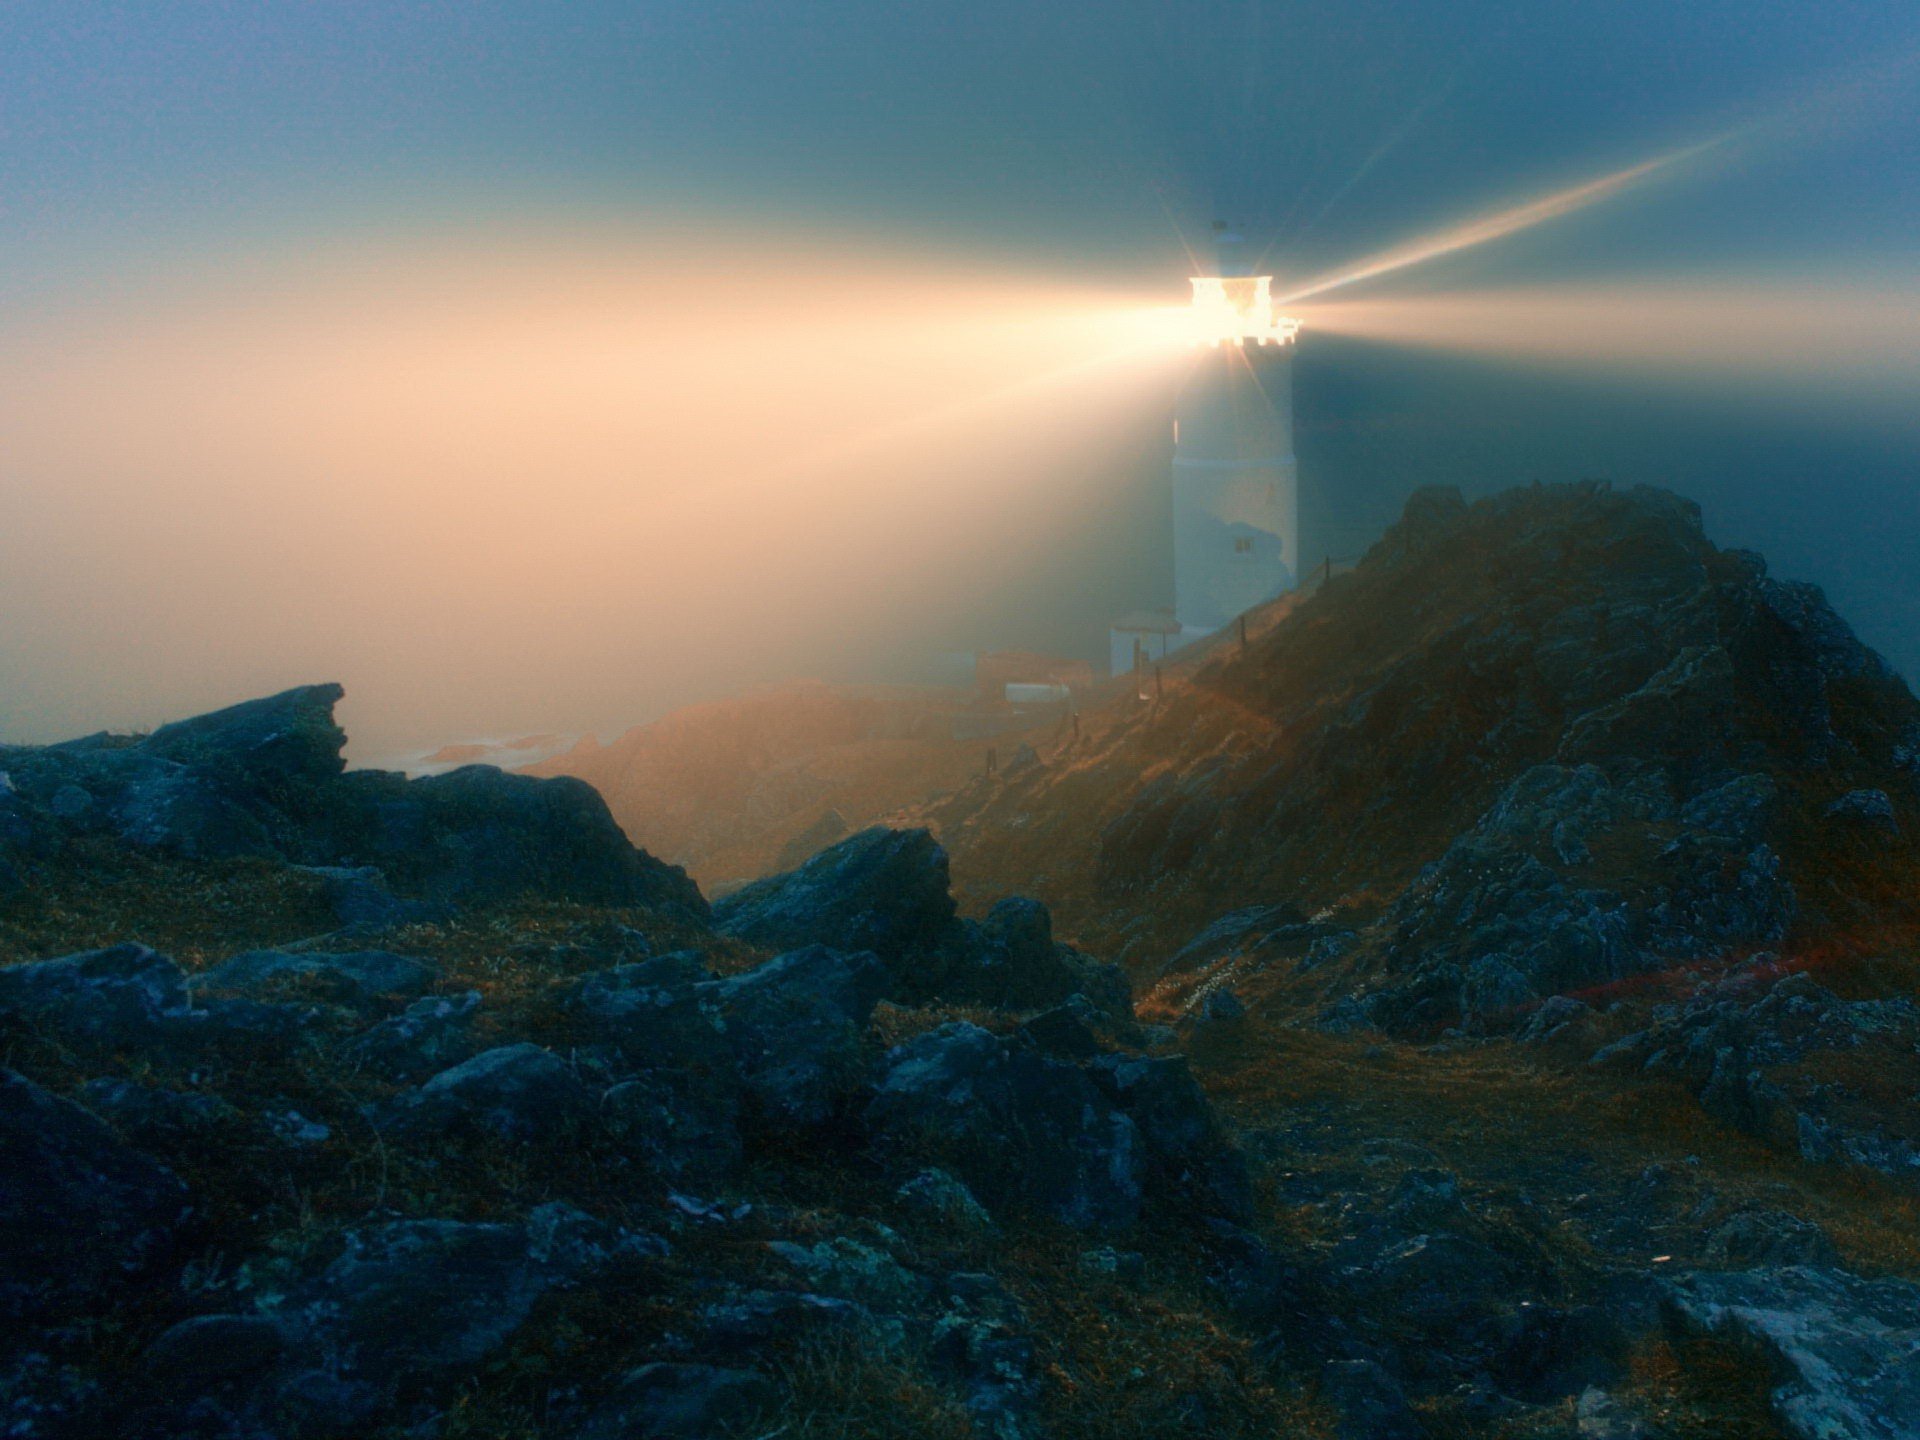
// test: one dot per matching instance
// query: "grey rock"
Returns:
(354, 977)
(943, 1196)
(1769, 1237)
(1866, 809)
(80, 1211)
(851, 1270)
(682, 1125)
(1221, 1011)
(147, 1113)
(794, 1026)
(414, 1297)
(360, 897)
(430, 1035)
(882, 891)
(1017, 1126)
(1187, 1152)
(1848, 1349)
(122, 995)
(520, 1092)
(653, 1012)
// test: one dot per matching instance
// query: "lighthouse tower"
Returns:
(1236, 513)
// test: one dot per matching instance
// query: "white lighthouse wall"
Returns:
(1235, 487)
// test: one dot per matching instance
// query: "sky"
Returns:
(539, 367)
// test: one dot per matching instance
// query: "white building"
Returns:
(1236, 512)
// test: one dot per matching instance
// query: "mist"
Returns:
(543, 483)
(533, 377)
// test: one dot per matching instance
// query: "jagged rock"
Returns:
(1867, 809)
(1740, 1043)
(353, 977)
(653, 1011)
(413, 1297)
(682, 1125)
(520, 1092)
(748, 1321)
(794, 1027)
(267, 778)
(884, 891)
(1846, 1347)
(853, 1271)
(1769, 1237)
(1125, 1265)
(1551, 1020)
(430, 1035)
(1185, 1148)
(79, 1210)
(1070, 1030)
(481, 834)
(287, 738)
(936, 1193)
(681, 1402)
(1017, 1126)
(121, 995)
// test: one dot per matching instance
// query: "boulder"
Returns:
(884, 891)
(653, 1012)
(412, 1297)
(943, 1197)
(794, 1027)
(683, 1126)
(353, 977)
(1020, 1128)
(1870, 810)
(1186, 1151)
(519, 1092)
(481, 835)
(284, 739)
(1769, 1237)
(1846, 1348)
(430, 1035)
(851, 1270)
(123, 995)
(80, 1211)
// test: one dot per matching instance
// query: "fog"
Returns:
(527, 373)
(547, 483)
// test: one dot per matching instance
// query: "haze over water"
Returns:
(531, 377)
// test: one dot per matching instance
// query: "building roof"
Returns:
(1149, 622)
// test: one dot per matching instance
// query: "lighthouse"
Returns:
(1236, 507)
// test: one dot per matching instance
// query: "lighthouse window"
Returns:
(1243, 545)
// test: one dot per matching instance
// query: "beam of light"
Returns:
(1496, 226)
(543, 482)
(1858, 338)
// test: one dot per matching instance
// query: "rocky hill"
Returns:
(1529, 747)
(1525, 1046)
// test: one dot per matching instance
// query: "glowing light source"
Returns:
(1233, 309)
